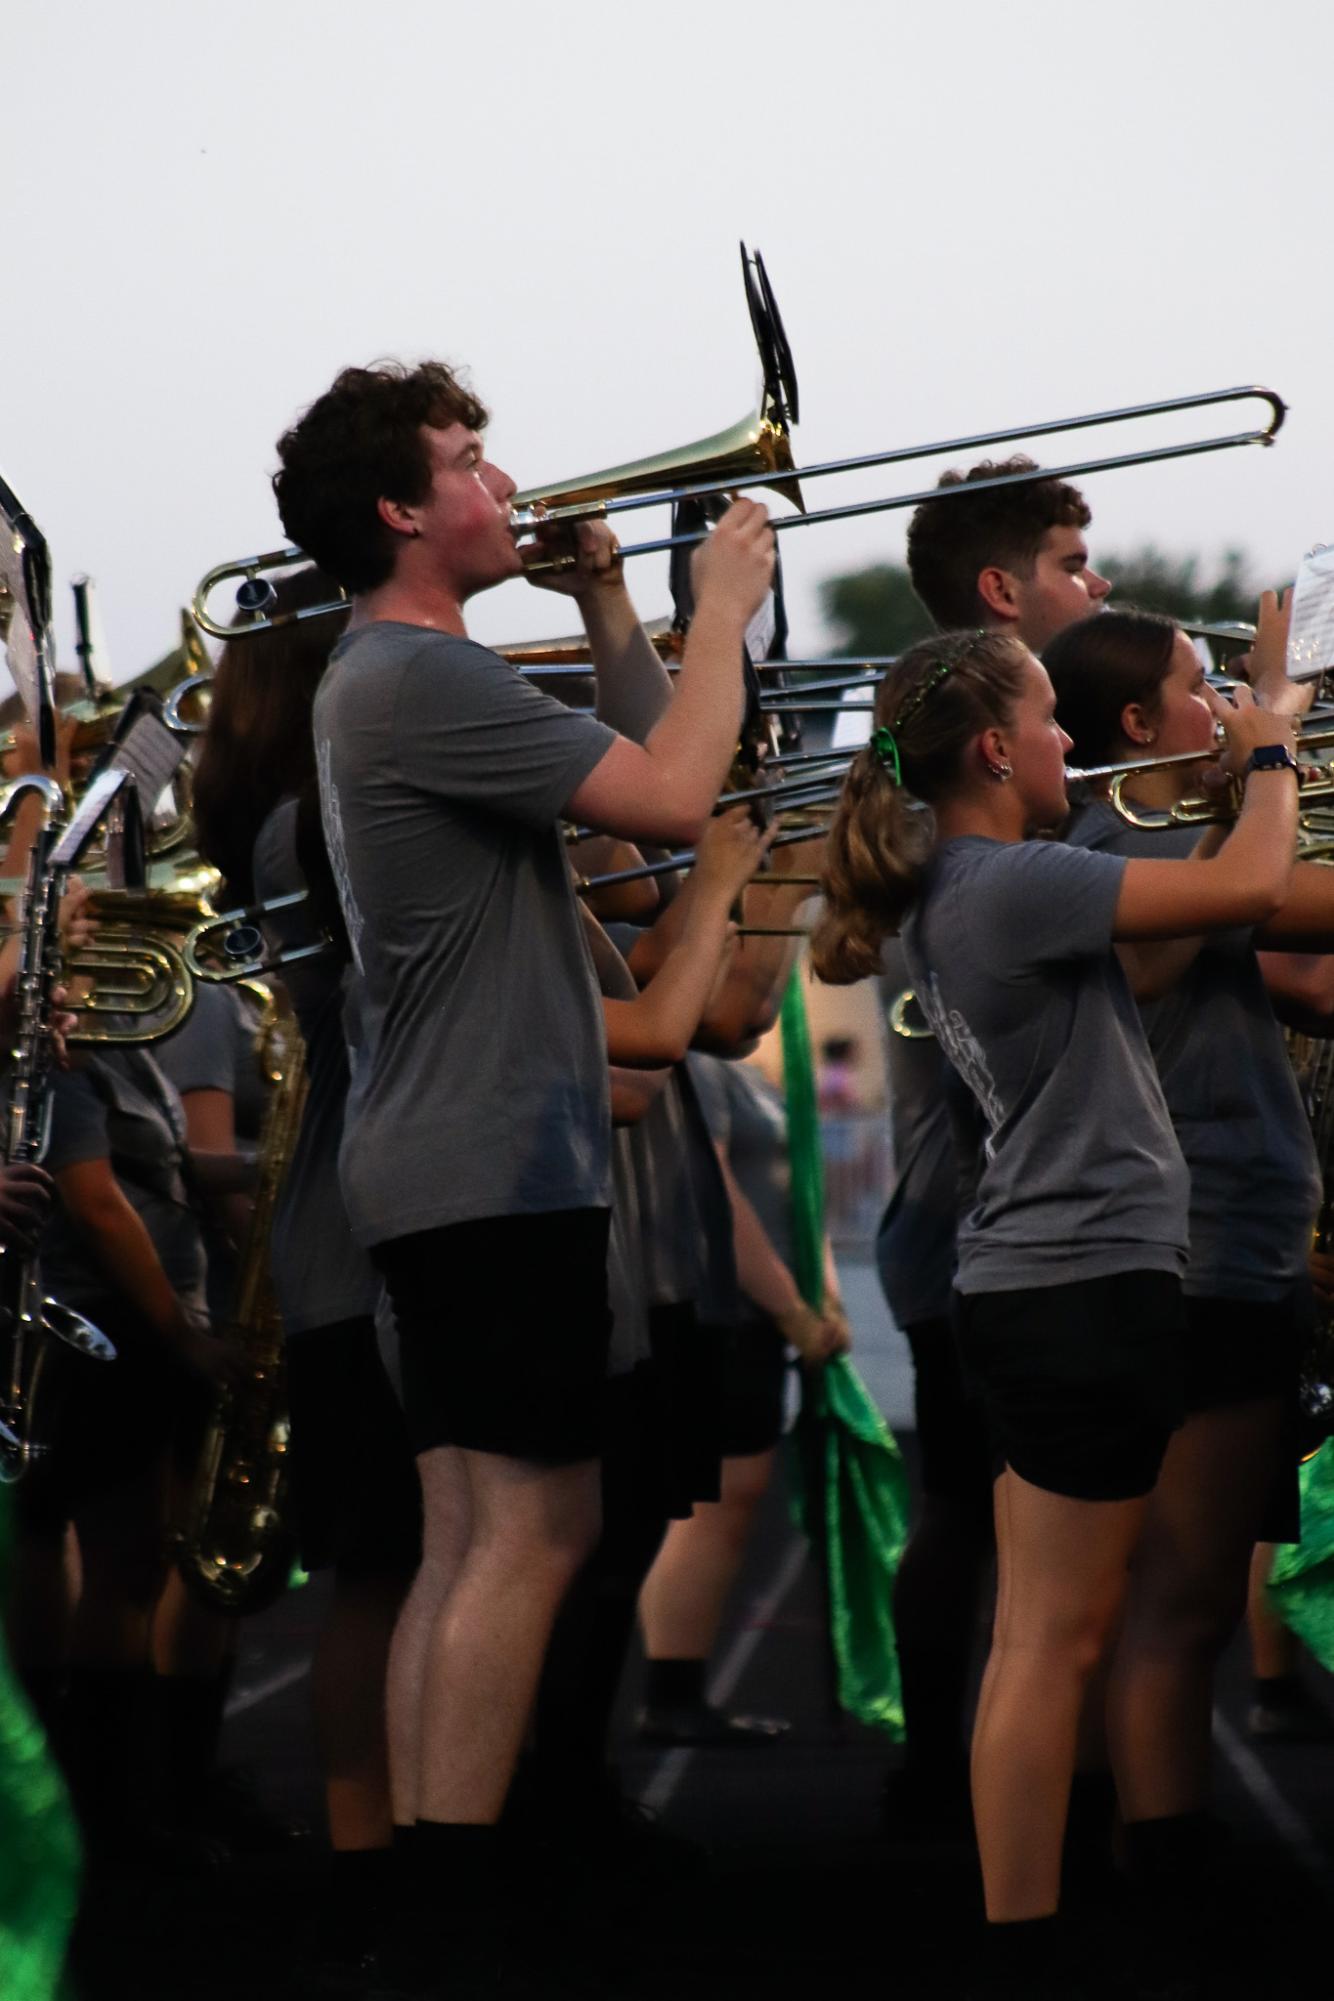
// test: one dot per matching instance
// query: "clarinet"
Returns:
(29, 1321)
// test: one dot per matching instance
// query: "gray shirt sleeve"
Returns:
(79, 1129)
(473, 729)
(1045, 903)
(202, 1054)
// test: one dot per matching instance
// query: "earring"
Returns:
(1001, 772)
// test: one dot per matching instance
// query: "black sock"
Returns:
(1276, 1691)
(1027, 1949)
(674, 1684)
(1087, 1857)
(454, 1866)
(1164, 1854)
(190, 1725)
(362, 1884)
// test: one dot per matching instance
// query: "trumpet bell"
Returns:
(756, 445)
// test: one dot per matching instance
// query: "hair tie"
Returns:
(887, 753)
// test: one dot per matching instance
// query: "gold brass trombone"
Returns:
(600, 496)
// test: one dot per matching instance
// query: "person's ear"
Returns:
(997, 589)
(398, 515)
(993, 755)
(1137, 725)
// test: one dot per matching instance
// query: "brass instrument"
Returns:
(132, 984)
(29, 1319)
(234, 1548)
(229, 948)
(751, 455)
(1315, 778)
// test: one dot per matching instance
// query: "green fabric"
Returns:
(850, 1490)
(39, 1848)
(1301, 1582)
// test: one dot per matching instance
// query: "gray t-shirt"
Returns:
(481, 1088)
(1254, 1174)
(1009, 948)
(676, 1249)
(748, 1120)
(119, 1107)
(320, 1275)
(215, 1049)
(914, 1245)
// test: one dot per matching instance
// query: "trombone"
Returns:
(753, 454)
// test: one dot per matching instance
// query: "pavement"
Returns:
(807, 1897)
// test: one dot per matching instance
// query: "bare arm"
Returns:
(116, 1235)
(665, 789)
(766, 1280)
(659, 1025)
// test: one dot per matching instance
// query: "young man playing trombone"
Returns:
(476, 1153)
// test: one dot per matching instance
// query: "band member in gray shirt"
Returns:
(357, 1515)
(1070, 1260)
(476, 1151)
(1130, 685)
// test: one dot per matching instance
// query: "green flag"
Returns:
(849, 1485)
(39, 1848)
(1301, 1583)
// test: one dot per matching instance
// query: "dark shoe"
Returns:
(700, 1724)
(233, 1813)
(1295, 1719)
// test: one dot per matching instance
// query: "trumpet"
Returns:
(752, 454)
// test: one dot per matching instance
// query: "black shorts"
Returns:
(752, 1375)
(503, 1330)
(953, 1446)
(1083, 1384)
(682, 1463)
(105, 1423)
(1241, 1350)
(356, 1498)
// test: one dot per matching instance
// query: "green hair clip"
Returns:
(887, 753)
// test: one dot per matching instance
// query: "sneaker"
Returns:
(700, 1725)
(1295, 1719)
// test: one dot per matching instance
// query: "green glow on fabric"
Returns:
(850, 1490)
(1301, 1583)
(39, 1846)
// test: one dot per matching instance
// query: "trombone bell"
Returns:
(754, 446)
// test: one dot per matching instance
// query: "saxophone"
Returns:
(234, 1548)
(29, 1320)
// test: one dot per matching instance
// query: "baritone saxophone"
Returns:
(235, 1547)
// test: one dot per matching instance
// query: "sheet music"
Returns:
(93, 808)
(1311, 633)
(152, 752)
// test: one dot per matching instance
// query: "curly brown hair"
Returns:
(362, 442)
(935, 699)
(951, 541)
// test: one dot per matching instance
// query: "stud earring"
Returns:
(1001, 772)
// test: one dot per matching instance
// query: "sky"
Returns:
(974, 216)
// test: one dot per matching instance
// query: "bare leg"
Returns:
(1275, 1649)
(349, 1697)
(1187, 1596)
(446, 1527)
(681, 1605)
(532, 1527)
(1062, 1570)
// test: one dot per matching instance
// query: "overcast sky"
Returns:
(975, 215)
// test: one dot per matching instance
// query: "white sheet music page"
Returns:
(1311, 633)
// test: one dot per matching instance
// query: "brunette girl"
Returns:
(1071, 1259)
